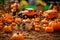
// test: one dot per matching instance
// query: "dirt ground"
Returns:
(31, 35)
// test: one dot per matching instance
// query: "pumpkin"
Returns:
(57, 20)
(0, 19)
(49, 29)
(55, 25)
(45, 25)
(44, 21)
(28, 20)
(37, 27)
(7, 29)
(58, 16)
(55, 8)
(30, 27)
(37, 20)
(52, 24)
(13, 25)
(50, 14)
(9, 20)
(17, 36)
(43, 28)
(1, 23)
(25, 17)
(18, 20)
(0, 27)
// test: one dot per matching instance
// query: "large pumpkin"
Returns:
(55, 8)
(55, 25)
(7, 29)
(52, 24)
(17, 37)
(50, 14)
(49, 29)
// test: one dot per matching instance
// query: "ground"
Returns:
(32, 35)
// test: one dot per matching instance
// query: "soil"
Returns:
(31, 35)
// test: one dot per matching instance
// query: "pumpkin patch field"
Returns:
(15, 28)
(29, 24)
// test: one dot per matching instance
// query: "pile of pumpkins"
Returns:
(8, 18)
(47, 24)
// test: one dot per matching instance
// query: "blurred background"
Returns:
(30, 3)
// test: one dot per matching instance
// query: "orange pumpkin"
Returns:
(57, 20)
(49, 29)
(37, 20)
(52, 24)
(17, 37)
(18, 20)
(55, 8)
(0, 27)
(25, 17)
(1, 24)
(58, 16)
(0, 19)
(57, 27)
(28, 20)
(45, 25)
(43, 28)
(44, 21)
(37, 27)
(7, 29)
(50, 14)
(9, 20)
(13, 25)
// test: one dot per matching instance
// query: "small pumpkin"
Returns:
(49, 29)
(18, 20)
(1, 23)
(0, 19)
(37, 27)
(43, 28)
(45, 25)
(44, 21)
(28, 20)
(7, 29)
(13, 25)
(25, 17)
(17, 36)
(37, 20)
(9, 20)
